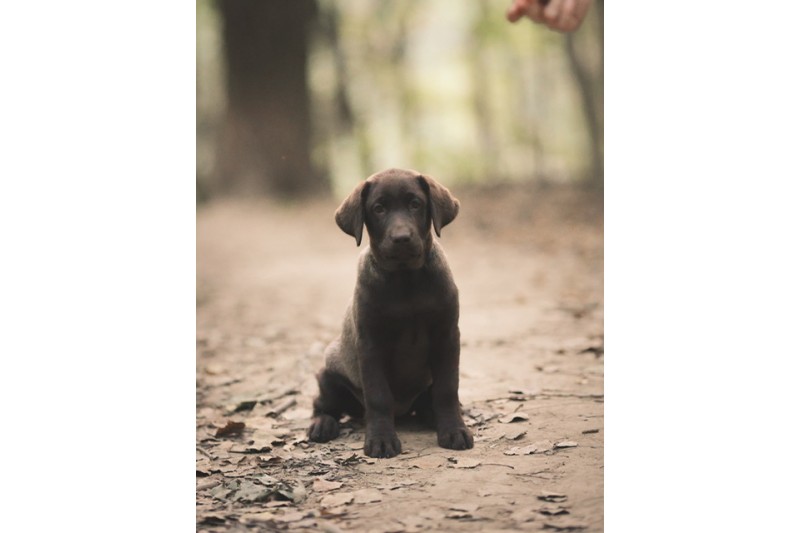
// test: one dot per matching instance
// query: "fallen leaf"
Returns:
(390, 527)
(413, 523)
(244, 405)
(221, 492)
(214, 370)
(333, 512)
(397, 485)
(596, 350)
(251, 492)
(335, 500)
(367, 496)
(278, 503)
(254, 446)
(267, 480)
(566, 524)
(231, 428)
(548, 369)
(466, 507)
(524, 450)
(263, 516)
(521, 391)
(466, 462)
(236, 472)
(283, 455)
(213, 520)
(427, 462)
(350, 459)
(523, 515)
(458, 515)
(261, 424)
(323, 485)
(566, 444)
(514, 435)
(293, 516)
(554, 497)
(203, 468)
(514, 417)
(588, 431)
(299, 493)
(205, 485)
(299, 439)
(553, 510)
(543, 446)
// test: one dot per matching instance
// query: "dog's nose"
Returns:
(401, 237)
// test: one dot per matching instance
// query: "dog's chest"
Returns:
(409, 365)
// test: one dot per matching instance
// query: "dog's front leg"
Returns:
(451, 431)
(381, 439)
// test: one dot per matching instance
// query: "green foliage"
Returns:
(450, 88)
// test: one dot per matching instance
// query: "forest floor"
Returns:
(272, 285)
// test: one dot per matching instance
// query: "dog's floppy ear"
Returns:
(350, 215)
(443, 205)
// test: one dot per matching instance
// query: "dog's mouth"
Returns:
(403, 261)
(401, 258)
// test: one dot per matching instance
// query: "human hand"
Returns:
(558, 15)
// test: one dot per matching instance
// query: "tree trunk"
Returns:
(590, 87)
(265, 141)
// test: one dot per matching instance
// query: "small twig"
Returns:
(498, 464)
(280, 409)
(415, 456)
(201, 450)
(210, 484)
(513, 398)
(534, 474)
(560, 394)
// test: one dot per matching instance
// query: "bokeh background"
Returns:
(306, 97)
(297, 101)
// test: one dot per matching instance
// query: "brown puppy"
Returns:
(399, 348)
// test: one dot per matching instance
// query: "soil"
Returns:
(273, 282)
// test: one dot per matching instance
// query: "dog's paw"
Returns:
(323, 429)
(457, 438)
(383, 444)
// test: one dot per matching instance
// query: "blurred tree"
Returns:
(590, 86)
(265, 139)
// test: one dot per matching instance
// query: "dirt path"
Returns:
(273, 282)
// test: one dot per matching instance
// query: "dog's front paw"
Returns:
(455, 438)
(382, 444)
(323, 429)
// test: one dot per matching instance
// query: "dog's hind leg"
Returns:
(334, 400)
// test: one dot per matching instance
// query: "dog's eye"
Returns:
(415, 203)
(378, 209)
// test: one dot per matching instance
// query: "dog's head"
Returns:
(398, 208)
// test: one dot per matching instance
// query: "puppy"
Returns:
(399, 348)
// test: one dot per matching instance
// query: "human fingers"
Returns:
(568, 18)
(573, 15)
(552, 11)
(581, 8)
(535, 11)
(518, 9)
